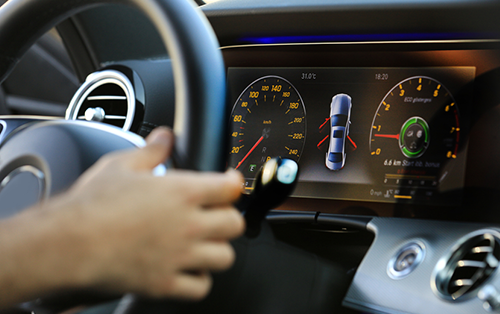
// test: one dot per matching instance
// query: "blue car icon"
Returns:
(340, 116)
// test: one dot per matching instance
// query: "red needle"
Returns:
(387, 136)
(352, 142)
(250, 151)
(321, 126)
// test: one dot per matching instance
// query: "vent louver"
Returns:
(106, 96)
(474, 259)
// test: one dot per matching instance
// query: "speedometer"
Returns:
(268, 120)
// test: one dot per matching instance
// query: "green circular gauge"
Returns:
(268, 120)
(414, 137)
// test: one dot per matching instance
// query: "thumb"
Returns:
(158, 148)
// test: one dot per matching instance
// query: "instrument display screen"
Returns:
(370, 134)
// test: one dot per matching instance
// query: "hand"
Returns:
(121, 229)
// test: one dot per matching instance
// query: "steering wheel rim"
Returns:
(198, 67)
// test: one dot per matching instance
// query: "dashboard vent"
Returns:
(106, 96)
(471, 263)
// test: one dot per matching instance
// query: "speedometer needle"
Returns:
(387, 136)
(250, 151)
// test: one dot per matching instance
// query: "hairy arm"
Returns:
(121, 229)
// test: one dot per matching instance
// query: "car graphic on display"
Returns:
(340, 115)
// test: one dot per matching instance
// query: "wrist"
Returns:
(31, 263)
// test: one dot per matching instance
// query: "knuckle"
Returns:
(227, 257)
(204, 288)
(195, 228)
(237, 223)
(163, 288)
(114, 158)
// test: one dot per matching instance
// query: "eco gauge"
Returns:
(268, 120)
(417, 117)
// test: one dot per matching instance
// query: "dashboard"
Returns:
(390, 108)
(407, 136)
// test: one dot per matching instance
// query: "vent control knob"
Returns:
(95, 114)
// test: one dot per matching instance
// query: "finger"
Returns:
(193, 286)
(158, 148)
(209, 189)
(222, 224)
(211, 255)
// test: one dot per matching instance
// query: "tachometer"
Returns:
(268, 120)
(402, 123)
(414, 134)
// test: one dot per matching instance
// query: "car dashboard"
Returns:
(391, 111)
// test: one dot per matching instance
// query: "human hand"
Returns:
(121, 229)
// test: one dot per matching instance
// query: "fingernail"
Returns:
(235, 173)
(159, 135)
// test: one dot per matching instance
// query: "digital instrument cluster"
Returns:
(375, 134)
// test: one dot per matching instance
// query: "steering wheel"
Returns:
(40, 158)
(49, 156)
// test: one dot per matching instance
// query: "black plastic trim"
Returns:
(355, 222)
(281, 216)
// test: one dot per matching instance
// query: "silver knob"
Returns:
(95, 114)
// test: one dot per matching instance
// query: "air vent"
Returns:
(106, 96)
(470, 264)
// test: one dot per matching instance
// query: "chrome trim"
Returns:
(443, 272)
(4, 128)
(110, 97)
(416, 247)
(112, 117)
(31, 117)
(97, 79)
(10, 123)
(127, 135)
(453, 41)
(27, 168)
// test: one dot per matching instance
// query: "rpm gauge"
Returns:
(414, 137)
(268, 120)
(416, 114)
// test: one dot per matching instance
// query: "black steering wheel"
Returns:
(42, 159)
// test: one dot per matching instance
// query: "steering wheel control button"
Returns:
(462, 273)
(273, 184)
(287, 172)
(406, 260)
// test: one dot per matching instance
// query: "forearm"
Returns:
(32, 245)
